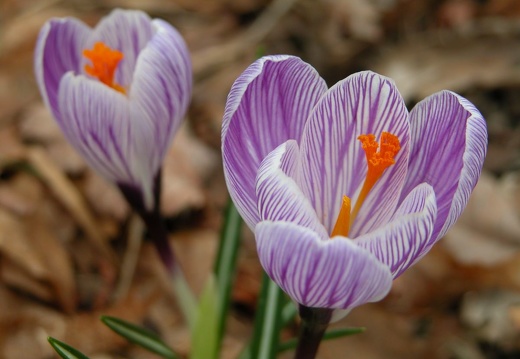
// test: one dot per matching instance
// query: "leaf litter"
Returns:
(67, 241)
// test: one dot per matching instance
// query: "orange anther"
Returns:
(104, 63)
(377, 162)
(342, 225)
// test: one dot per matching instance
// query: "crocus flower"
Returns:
(118, 91)
(343, 187)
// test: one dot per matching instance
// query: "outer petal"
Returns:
(267, 105)
(334, 274)
(127, 31)
(334, 162)
(448, 147)
(97, 126)
(279, 196)
(159, 96)
(404, 240)
(58, 51)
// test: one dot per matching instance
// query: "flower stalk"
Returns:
(314, 323)
(158, 234)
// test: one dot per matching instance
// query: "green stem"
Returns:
(158, 233)
(183, 293)
(314, 323)
(266, 333)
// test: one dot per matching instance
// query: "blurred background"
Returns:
(461, 301)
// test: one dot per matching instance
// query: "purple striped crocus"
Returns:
(343, 187)
(118, 91)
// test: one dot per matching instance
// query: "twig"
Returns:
(134, 241)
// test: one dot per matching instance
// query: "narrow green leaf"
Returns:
(266, 333)
(64, 350)
(331, 334)
(140, 336)
(225, 264)
(205, 340)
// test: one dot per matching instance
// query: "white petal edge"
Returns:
(473, 161)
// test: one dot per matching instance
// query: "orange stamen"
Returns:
(104, 64)
(377, 162)
(342, 225)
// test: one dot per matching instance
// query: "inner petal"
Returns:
(377, 163)
(333, 161)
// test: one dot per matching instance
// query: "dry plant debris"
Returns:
(57, 216)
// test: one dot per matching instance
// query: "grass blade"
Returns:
(64, 350)
(225, 264)
(205, 341)
(266, 333)
(140, 336)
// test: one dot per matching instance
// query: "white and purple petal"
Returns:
(334, 274)
(279, 196)
(58, 51)
(159, 96)
(97, 125)
(333, 160)
(405, 239)
(448, 146)
(267, 105)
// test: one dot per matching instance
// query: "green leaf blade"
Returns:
(205, 338)
(64, 350)
(225, 264)
(139, 336)
(268, 322)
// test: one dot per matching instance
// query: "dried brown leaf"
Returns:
(69, 196)
(16, 244)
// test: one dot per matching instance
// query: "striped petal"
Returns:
(448, 146)
(279, 196)
(97, 126)
(335, 273)
(128, 31)
(267, 105)
(58, 51)
(334, 162)
(404, 240)
(159, 96)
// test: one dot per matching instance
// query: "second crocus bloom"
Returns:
(118, 91)
(343, 187)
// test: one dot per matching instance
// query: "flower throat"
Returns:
(378, 162)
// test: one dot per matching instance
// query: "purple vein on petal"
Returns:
(443, 150)
(267, 105)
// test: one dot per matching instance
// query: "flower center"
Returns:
(378, 162)
(104, 63)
